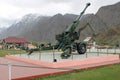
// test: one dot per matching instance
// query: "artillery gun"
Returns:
(66, 40)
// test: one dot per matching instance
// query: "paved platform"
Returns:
(49, 56)
(68, 63)
(22, 70)
(24, 73)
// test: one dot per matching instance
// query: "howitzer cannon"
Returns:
(67, 39)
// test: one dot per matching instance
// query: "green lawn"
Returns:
(5, 52)
(104, 73)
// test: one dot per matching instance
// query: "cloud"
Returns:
(24, 3)
(5, 22)
(58, 1)
(13, 9)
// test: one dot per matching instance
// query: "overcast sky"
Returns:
(11, 10)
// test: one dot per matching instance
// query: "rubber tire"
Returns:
(81, 48)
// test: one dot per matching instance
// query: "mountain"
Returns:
(24, 25)
(39, 28)
(110, 15)
(112, 36)
(95, 23)
(106, 18)
(46, 30)
(35, 27)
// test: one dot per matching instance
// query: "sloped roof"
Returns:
(87, 39)
(16, 40)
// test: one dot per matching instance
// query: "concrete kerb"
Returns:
(86, 61)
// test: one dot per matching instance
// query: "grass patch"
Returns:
(6, 52)
(104, 73)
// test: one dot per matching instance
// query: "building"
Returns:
(90, 41)
(14, 42)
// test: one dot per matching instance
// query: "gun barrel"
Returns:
(72, 26)
(88, 4)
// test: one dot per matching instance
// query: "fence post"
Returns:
(119, 56)
(115, 50)
(107, 51)
(20, 54)
(98, 51)
(71, 52)
(28, 56)
(72, 56)
(89, 49)
(86, 54)
(40, 53)
(54, 60)
(10, 71)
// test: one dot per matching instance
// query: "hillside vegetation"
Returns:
(112, 36)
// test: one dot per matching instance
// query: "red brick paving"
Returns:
(24, 73)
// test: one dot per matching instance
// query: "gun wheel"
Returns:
(81, 48)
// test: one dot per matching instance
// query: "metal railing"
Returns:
(54, 55)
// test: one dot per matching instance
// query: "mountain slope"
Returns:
(112, 36)
(40, 28)
(110, 14)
